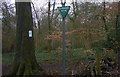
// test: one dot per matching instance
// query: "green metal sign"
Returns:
(64, 10)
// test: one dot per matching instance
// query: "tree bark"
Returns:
(25, 62)
(118, 36)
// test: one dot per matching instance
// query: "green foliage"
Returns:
(7, 58)
(51, 56)
(109, 53)
(76, 53)
(111, 40)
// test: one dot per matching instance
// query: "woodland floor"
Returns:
(75, 62)
(54, 68)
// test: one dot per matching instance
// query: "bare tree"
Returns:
(103, 17)
(50, 18)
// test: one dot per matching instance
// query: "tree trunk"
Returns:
(104, 17)
(118, 36)
(49, 27)
(25, 62)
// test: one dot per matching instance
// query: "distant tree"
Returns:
(49, 26)
(8, 16)
(50, 18)
(25, 62)
(8, 27)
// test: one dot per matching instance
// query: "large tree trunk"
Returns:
(25, 62)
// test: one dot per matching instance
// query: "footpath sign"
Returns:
(64, 10)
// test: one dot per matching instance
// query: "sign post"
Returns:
(63, 11)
